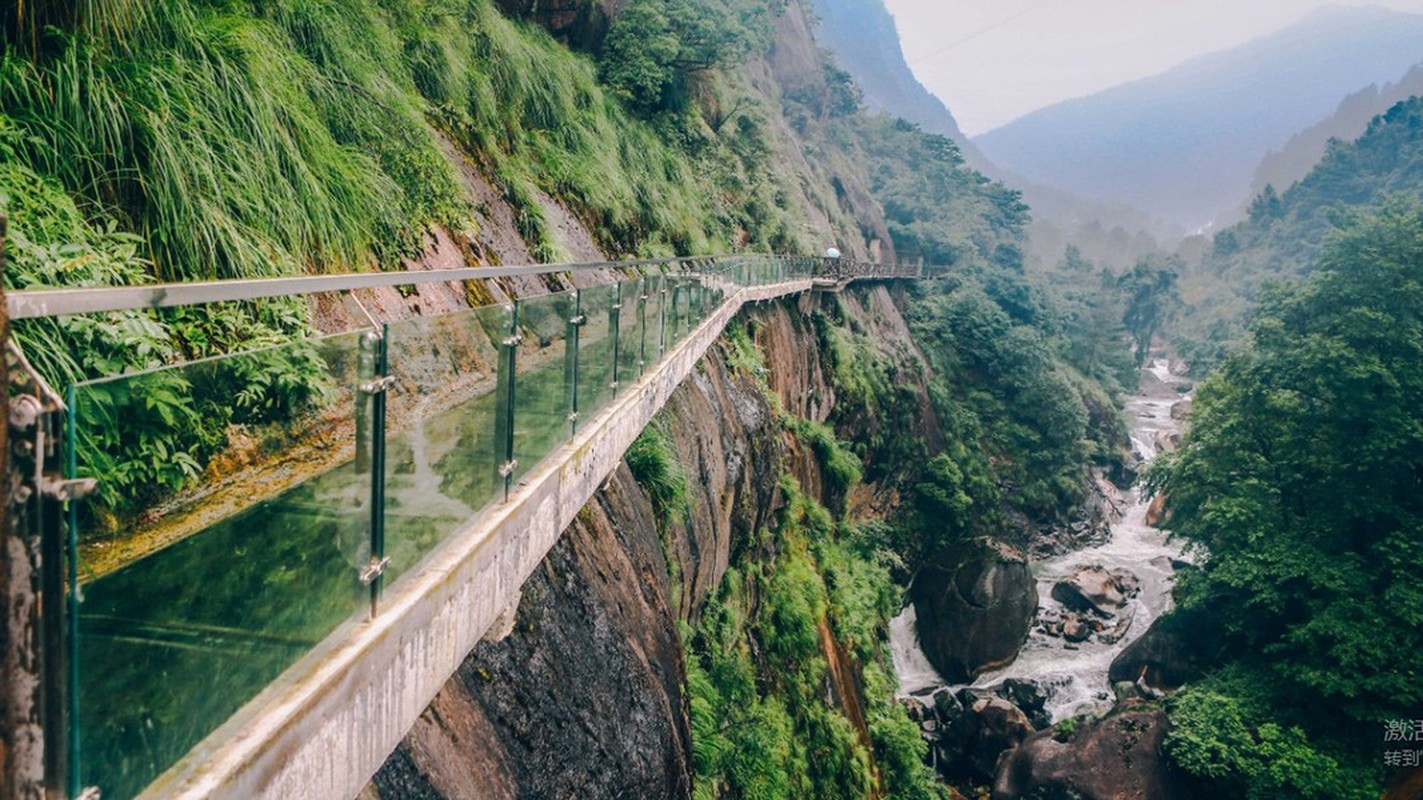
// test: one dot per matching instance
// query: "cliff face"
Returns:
(584, 696)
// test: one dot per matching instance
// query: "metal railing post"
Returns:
(573, 330)
(642, 325)
(504, 402)
(66, 761)
(615, 315)
(662, 316)
(373, 366)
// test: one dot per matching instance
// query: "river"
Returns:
(1075, 675)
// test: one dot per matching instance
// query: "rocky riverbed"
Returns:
(1091, 602)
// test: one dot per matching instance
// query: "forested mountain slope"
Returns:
(1282, 168)
(1286, 232)
(861, 35)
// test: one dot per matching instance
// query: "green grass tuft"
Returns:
(653, 461)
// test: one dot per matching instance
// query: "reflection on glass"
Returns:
(173, 644)
(442, 453)
(542, 400)
(595, 346)
(630, 317)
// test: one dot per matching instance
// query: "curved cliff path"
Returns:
(1075, 675)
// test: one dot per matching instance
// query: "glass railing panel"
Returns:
(230, 591)
(701, 307)
(649, 336)
(442, 450)
(651, 341)
(543, 400)
(677, 316)
(596, 349)
(630, 319)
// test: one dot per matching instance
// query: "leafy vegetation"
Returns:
(999, 387)
(189, 139)
(1150, 295)
(1296, 487)
(937, 209)
(152, 434)
(840, 465)
(655, 48)
(1237, 749)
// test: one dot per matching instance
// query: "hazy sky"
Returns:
(992, 61)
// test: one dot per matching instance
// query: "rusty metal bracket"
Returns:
(374, 570)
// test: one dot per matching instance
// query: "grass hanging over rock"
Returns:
(652, 458)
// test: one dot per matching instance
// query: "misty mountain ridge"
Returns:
(1183, 145)
(1284, 167)
(864, 39)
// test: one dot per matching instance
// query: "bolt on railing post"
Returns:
(504, 402)
(572, 333)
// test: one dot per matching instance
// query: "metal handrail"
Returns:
(37, 303)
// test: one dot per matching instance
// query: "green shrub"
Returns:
(1241, 752)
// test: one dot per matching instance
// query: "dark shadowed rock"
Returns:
(980, 726)
(1167, 656)
(974, 612)
(581, 23)
(999, 726)
(1117, 758)
(1029, 696)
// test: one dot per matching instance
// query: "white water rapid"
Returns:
(1075, 675)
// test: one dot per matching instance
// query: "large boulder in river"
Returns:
(1114, 758)
(1165, 658)
(1096, 588)
(974, 610)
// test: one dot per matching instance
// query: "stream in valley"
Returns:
(1074, 675)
